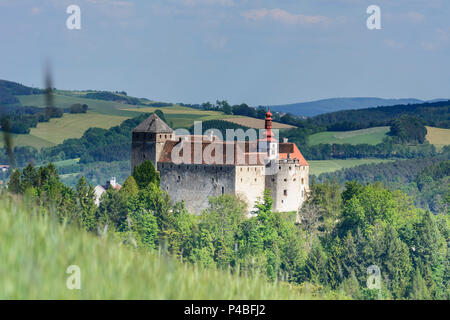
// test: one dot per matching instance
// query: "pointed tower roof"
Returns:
(153, 124)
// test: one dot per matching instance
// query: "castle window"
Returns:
(241, 179)
(279, 168)
(248, 169)
(179, 179)
(165, 136)
(273, 180)
(285, 192)
(160, 136)
(295, 179)
(303, 181)
(241, 169)
(255, 168)
(255, 179)
(223, 190)
(285, 180)
(290, 168)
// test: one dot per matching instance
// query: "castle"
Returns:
(242, 168)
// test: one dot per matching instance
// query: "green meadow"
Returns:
(318, 167)
(37, 251)
(371, 136)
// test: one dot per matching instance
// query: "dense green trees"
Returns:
(426, 180)
(110, 96)
(78, 108)
(407, 129)
(145, 173)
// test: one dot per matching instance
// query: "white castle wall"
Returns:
(289, 186)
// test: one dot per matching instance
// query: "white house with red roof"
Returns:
(242, 168)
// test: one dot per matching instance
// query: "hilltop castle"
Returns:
(242, 168)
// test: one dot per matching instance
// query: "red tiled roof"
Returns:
(285, 148)
(241, 156)
(247, 152)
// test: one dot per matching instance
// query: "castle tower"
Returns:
(148, 140)
(268, 143)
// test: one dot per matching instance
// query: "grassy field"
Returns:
(256, 123)
(318, 167)
(20, 140)
(73, 126)
(54, 132)
(37, 250)
(371, 136)
(65, 101)
(438, 136)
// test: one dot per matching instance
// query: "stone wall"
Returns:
(195, 183)
(288, 186)
(250, 184)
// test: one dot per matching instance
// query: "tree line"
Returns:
(426, 180)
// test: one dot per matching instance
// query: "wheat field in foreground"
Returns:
(36, 251)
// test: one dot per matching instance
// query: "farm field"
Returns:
(22, 140)
(256, 123)
(73, 126)
(371, 136)
(109, 270)
(48, 134)
(65, 101)
(438, 136)
(318, 167)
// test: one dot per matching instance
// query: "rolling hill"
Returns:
(371, 136)
(313, 108)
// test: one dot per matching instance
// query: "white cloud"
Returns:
(285, 17)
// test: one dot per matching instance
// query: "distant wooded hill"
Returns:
(313, 108)
(436, 114)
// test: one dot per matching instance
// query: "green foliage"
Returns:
(84, 195)
(30, 237)
(145, 173)
(78, 108)
(339, 234)
(425, 180)
(113, 209)
(130, 187)
(161, 115)
(407, 129)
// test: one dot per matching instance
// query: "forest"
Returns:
(109, 96)
(339, 234)
(426, 180)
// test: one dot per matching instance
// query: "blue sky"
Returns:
(256, 51)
